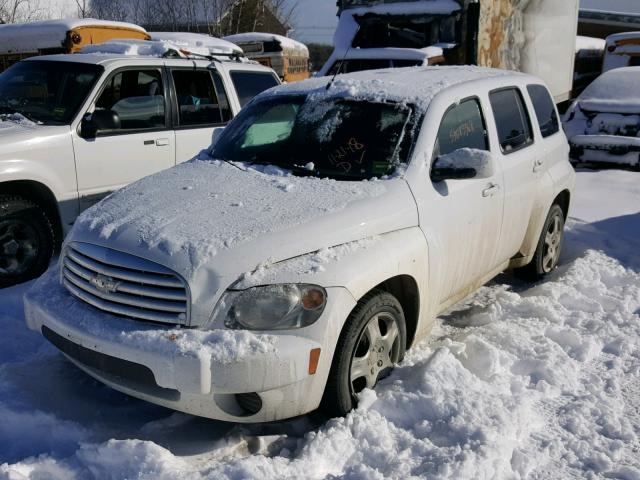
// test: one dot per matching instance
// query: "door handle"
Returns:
(537, 164)
(162, 142)
(491, 190)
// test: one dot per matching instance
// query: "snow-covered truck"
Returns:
(531, 36)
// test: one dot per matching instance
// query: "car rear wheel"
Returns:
(372, 342)
(547, 254)
(26, 240)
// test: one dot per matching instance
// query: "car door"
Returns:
(461, 217)
(519, 159)
(139, 140)
(201, 106)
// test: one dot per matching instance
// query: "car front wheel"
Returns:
(372, 342)
(26, 240)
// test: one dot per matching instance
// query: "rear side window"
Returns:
(545, 110)
(197, 99)
(250, 84)
(462, 127)
(512, 119)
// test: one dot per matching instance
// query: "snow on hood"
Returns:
(16, 118)
(210, 211)
(615, 91)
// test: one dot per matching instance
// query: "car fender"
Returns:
(359, 267)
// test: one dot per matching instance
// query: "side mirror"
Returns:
(97, 121)
(462, 164)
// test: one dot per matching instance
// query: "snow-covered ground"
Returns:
(519, 381)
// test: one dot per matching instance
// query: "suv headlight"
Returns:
(274, 307)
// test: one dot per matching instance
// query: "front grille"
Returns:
(125, 285)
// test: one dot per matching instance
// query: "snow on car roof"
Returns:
(140, 48)
(24, 37)
(252, 37)
(394, 53)
(196, 40)
(615, 91)
(411, 85)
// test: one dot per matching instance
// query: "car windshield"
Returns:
(336, 138)
(46, 92)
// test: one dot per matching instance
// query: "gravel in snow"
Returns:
(517, 381)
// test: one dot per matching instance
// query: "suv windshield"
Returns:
(336, 138)
(46, 92)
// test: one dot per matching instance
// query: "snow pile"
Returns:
(145, 48)
(518, 381)
(213, 206)
(196, 42)
(30, 37)
(257, 37)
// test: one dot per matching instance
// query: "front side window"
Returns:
(250, 84)
(545, 110)
(136, 97)
(197, 99)
(341, 139)
(47, 92)
(462, 126)
(512, 119)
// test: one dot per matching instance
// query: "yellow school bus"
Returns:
(23, 40)
(287, 57)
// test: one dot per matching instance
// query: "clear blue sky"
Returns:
(315, 21)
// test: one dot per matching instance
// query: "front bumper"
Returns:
(193, 371)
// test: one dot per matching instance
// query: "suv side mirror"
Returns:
(99, 120)
(462, 164)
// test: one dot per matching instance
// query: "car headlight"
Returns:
(274, 307)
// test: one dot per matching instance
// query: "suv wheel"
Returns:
(547, 254)
(372, 342)
(26, 240)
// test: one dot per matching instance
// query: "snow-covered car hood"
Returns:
(212, 222)
(15, 125)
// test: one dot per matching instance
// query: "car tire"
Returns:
(545, 259)
(26, 240)
(359, 362)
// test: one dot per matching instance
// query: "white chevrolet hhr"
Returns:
(293, 265)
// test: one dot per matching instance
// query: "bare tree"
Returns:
(117, 10)
(82, 8)
(15, 11)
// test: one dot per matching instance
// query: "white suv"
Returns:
(318, 239)
(74, 128)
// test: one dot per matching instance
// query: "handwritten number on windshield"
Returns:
(343, 156)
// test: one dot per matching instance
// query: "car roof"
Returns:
(109, 59)
(414, 85)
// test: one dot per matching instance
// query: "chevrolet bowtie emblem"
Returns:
(105, 284)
